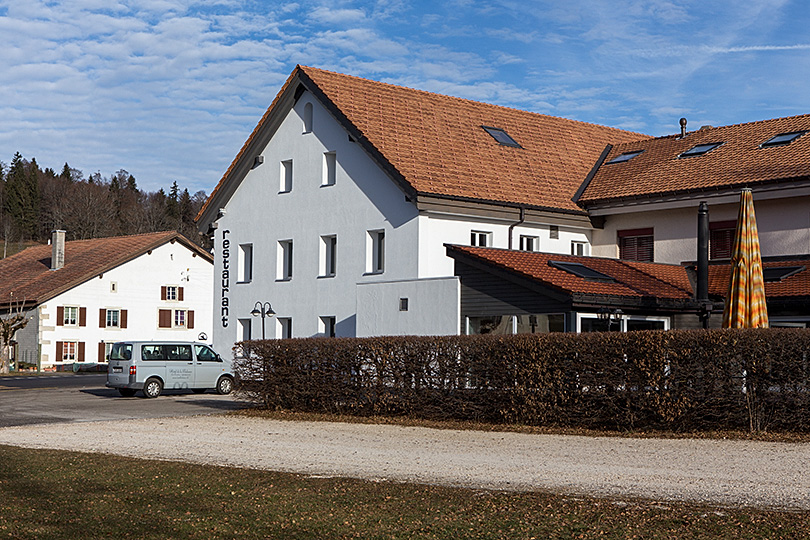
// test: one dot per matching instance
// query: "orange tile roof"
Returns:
(738, 163)
(632, 279)
(434, 144)
(797, 285)
(27, 276)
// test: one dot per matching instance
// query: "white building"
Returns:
(82, 296)
(338, 206)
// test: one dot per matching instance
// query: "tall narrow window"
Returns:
(113, 318)
(636, 245)
(244, 330)
(529, 243)
(308, 118)
(375, 252)
(284, 327)
(71, 317)
(327, 326)
(286, 176)
(245, 268)
(284, 266)
(329, 169)
(480, 238)
(328, 255)
(721, 239)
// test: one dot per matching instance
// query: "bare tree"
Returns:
(12, 321)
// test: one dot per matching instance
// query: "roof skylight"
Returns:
(778, 273)
(782, 139)
(501, 136)
(700, 149)
(580, 270)
(627, 156)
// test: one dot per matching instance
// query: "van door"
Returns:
(209, 367)
(179, 366)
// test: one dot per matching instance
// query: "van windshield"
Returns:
(121, 351)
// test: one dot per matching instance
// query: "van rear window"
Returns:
(121, 351)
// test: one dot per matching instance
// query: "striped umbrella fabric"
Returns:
(745, 300)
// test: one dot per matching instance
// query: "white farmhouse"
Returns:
(337, 208)
(84, 295)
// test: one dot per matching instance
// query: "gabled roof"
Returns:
(436, 145)
(738, 162)
(631, 280)
(27, 276)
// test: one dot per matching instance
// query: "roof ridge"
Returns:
(466, 100)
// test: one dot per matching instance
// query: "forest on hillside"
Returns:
(35, 201)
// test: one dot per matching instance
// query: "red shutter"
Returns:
(60, 317)
(164, 318)
(123, 318)
(101, 352)
(179, 294)
(81, 351)
(82, 316)
(636, 245)
(190, 319)
(163, 293)
(59, 346)
(102, 318)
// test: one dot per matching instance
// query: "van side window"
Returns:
(121, 351)
(152, 352)
(178, 352)
(204, 354)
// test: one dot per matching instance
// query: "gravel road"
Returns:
(732, 473)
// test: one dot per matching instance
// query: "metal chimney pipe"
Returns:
(682, 122)
(703, 252)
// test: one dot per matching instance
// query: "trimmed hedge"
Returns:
(754, 379)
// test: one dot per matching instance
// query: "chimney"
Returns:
(682, 122)
(702, 295)
(57, 249)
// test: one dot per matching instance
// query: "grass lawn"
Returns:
(48, 494)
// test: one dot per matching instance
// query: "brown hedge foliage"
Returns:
(677, 380)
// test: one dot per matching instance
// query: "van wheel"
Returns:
(126, 392)
(152, 388)
(224, 385)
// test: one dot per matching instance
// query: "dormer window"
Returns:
(627, 156)
(782, 139)
(503, 138)
(700, 149)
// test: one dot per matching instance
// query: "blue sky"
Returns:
(170, 89)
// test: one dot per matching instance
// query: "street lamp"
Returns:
(611, 316)
(264, 310)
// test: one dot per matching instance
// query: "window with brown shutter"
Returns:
(164, 318)
(101, 355)
(59, 349)
(60, 320)
(123, 318)
(163, 292)
(721, 239)
(102, 318)
(636, 245)
(190, 319)
(83, 316)
(81, 351)
(179, 294)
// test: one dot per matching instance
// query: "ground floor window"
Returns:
(517, 324)
(590, 322)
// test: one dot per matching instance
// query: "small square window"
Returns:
(480, 238)
(529, 243)
(403, 304)
(579, 248)
(554, 232)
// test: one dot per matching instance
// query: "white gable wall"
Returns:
(137, 290)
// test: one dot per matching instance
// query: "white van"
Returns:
(151, 366)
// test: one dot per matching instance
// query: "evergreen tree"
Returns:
(66, 172)
(172, 208)
(22, 196)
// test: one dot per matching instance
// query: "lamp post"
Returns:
(263, 309)
(611, 316)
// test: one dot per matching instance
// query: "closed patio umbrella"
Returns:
(745, 300)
